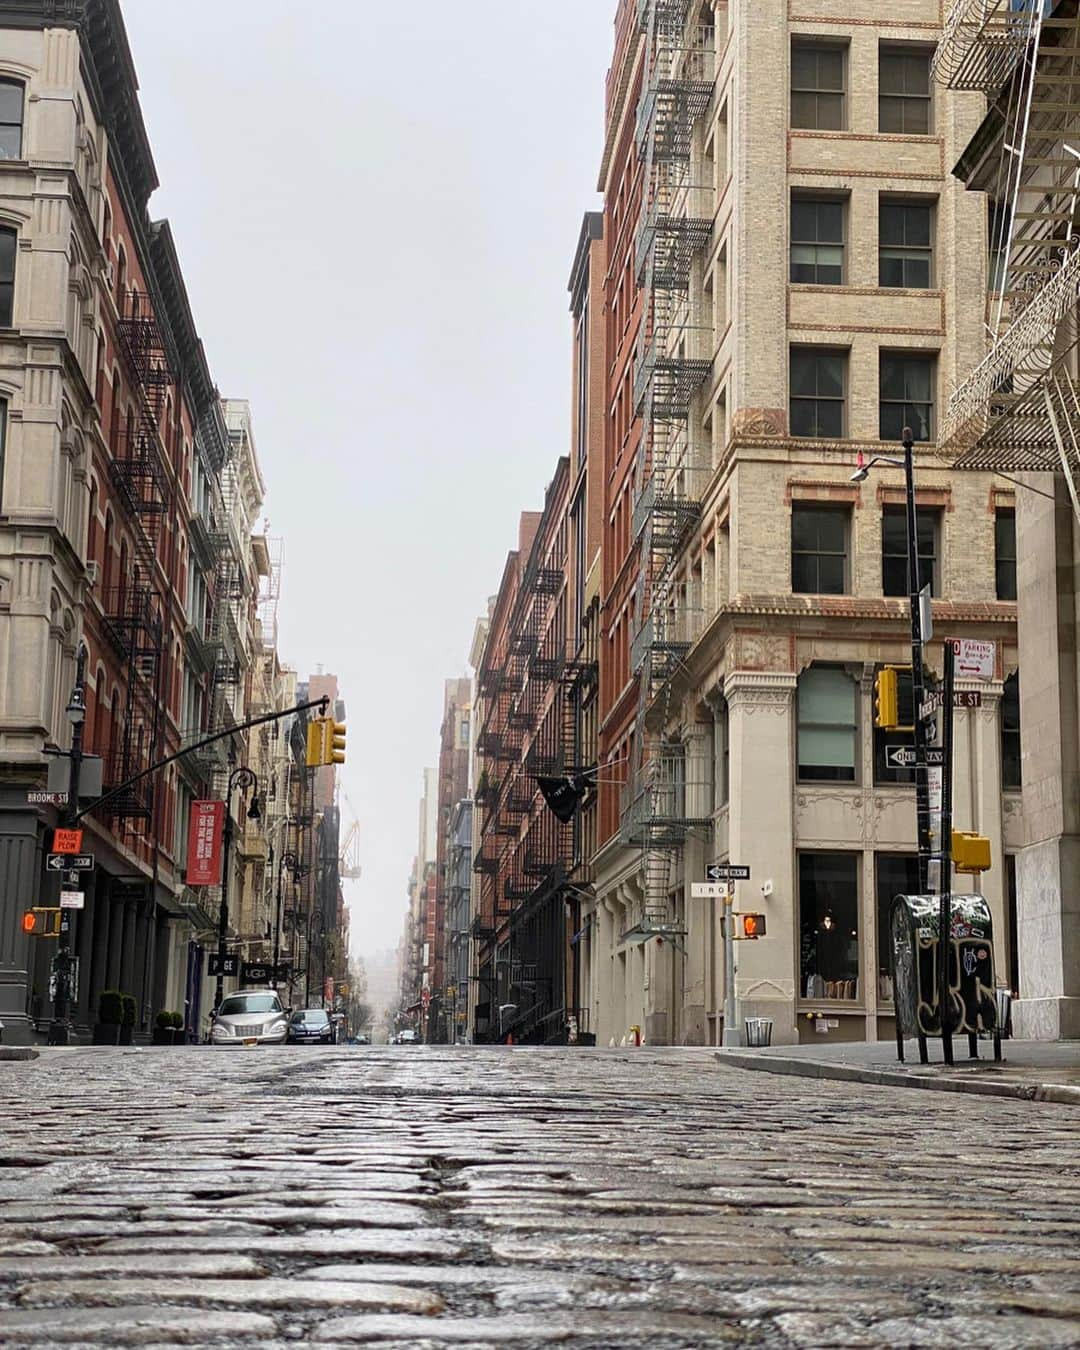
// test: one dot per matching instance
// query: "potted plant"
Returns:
(127, 1022)
(163, 1028)
(110, 1016)
(179, 1031)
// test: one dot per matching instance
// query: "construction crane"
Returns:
(349, 857)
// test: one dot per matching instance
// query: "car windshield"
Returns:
(249, 1003)
(310, 1015)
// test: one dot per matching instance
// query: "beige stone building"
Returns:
(804, 257)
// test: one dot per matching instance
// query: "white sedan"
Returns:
(252, 1017)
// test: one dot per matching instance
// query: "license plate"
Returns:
(251, 1040)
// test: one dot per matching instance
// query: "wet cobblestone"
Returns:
(435, 1197)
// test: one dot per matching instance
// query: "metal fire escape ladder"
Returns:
(674, 358)
(1019, 409)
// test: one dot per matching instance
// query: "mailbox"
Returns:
(914, 930)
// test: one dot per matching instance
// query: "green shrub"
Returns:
(111, 1007)
(131, 1008)
(163, 1021)
(177, 1021)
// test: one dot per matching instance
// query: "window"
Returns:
(819, 543)
(817, 241)
(817, 392)
(827, 725)
(829, 925)
(904, 92)
(721, 754)
(897, 874)
(11, 118)
(907, 397)
(905, 244)
(1011, 776)
(7, 277)
(817, 86)
(1005, 554)
(3, 447)
(997, 232)
(1012, 942)
(894, 560)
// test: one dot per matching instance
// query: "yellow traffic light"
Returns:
(333, 742)
(887, 699)
(971, 852)
(315, 742)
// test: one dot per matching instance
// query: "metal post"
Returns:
(922, 782)
(287, 860)
(59, 1029)
(945, 903)
(732, 1031)
(239, 778)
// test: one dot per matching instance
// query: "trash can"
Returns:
(914, 932)
(757, 1031)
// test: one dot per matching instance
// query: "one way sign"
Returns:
(69, 862)
(726, 872)
(903, 756)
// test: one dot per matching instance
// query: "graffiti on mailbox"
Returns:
(973, 1006)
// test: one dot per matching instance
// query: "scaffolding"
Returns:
(1020, 408)
(673, 360)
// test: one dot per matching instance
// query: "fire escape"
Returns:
(1020, 408)
(674, 358)
(133, 612)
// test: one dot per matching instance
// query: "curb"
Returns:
(9, 1052)
(1058, 1093)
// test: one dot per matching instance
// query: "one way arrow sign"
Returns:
(903, 756)
(69, 862)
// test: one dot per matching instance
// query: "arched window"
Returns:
(106, 554)
(91, 525)
(99, 384)
(11, 119)
(8, 240)
(106, 228)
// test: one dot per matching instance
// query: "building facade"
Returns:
(796, 241)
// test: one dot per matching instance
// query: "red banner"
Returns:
(204, 843)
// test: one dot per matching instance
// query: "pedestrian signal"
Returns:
(29, 921)
(41, 921)
(753, 925)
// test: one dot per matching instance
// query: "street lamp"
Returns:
(242, 778)
(75, 712)
(314, 913)
(289, 861)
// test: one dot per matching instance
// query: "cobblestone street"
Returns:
(428, 1197)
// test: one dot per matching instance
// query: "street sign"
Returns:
(726, 872)
(930, 704)
(256, 972)
(72, 899)
(708, 890)
(974, 659)
(903, 756)
(967, 698)
(46, 799)
(67, 841)
(229, 964)
(75, 862)
(962, 698)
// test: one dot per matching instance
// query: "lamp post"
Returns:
(242, 778)
(918, 677)
(59, 1029)
(288, 860)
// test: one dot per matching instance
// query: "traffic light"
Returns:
(752, 925)
(41, 921)
(887, 699)
(315, 742)
(971, 852)
(333, 742)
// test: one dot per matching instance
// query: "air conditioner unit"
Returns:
(93, 571)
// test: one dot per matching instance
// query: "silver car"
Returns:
(251, 1017)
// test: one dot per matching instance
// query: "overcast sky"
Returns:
(376, 207)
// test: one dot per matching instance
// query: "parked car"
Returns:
(407, 1037)
(311, 1026)
(250, 1017)
(362, 1038)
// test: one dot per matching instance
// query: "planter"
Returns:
(126, 1034)
(106, 1033)
(163, 1036)
(179, 1035)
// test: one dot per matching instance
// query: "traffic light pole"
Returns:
(239, 778)
(732, 1032)
(945, 900)
(76, 711)
(918, 682)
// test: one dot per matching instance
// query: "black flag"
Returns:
(563, 795)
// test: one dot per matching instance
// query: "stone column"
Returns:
(84, 947)
(20, 879)
(1047, 868)
(761, 728)
(697, 851)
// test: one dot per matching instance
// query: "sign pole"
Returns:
(922, 783)
(945, 846)
(732, 1035)
(59, 1028)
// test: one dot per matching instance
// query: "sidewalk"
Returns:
(1043, 1071)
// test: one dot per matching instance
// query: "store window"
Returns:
(827, 732)
(829, 926)
(896, 874)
